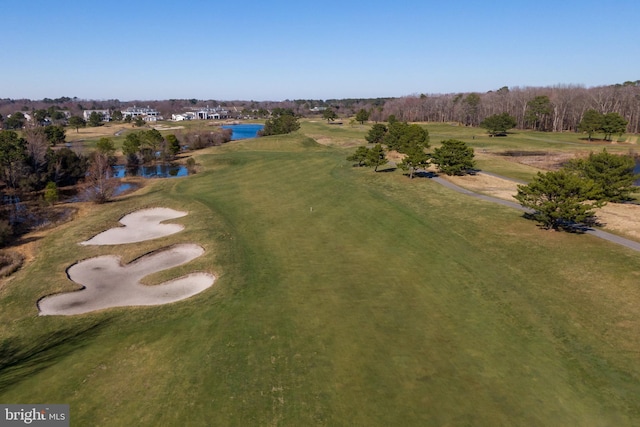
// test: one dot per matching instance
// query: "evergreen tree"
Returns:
(95, 119)
(376, 157)
(173, 145)
(498, 124)
(131, 144)
(591, 122)
(376, 134)
(55, 134)
(15, 121)
(106, 146)
(400, 136)
(414, 159)
(360, 156)
(283, 122)
(117, 116)
(612, 173)
(362, 116)
(329, 115)
(560, 199)
(138, 122)
(65, 167)
(77, 122)
(13, 154)
(51, 194)
(613, 124)
(454, 157)
(539, 110)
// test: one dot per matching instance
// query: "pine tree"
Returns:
(453, 157)
(560, 199)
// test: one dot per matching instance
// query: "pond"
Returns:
(124, 187)
(244, 131)
(636, 170)
(155, 171)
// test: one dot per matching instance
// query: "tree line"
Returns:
(554, 109)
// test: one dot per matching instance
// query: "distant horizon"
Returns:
(560, 85)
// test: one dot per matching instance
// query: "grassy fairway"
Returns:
(344, 297)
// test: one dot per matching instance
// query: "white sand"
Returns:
(107, 283)
(139, 226)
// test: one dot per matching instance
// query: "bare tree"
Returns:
(37, 145)
(36, 150)
(101, 184)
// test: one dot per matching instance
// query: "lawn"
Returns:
(344, 297)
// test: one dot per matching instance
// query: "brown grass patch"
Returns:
(618, 218)
(330, 142)
(547, 161)
(107, 130)
(621, 218)
(10, 262)
(487, 184)
(394, 156)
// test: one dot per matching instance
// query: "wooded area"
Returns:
(555, 109)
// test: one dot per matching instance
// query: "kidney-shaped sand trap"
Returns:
(139, 226)
(108, 283)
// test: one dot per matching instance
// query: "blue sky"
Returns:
(276, 50)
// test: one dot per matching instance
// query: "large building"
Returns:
(148, 114)
(106, 115)
(202, 113)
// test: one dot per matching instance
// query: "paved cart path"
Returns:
(631, 244)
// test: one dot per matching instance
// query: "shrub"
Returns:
(191, 165)
(10, 262)
(51, 193)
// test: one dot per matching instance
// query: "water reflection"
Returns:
(123, 187)
(155, 171)
(244, 131)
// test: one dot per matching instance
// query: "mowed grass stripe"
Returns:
(380, 267)
(393, 302)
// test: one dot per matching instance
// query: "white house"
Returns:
(181, 117)
(210, 113)
(106, 115)
(148, 114)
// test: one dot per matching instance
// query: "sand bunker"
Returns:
(139, 226)
(108, 283)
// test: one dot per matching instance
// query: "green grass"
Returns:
(391, 302)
